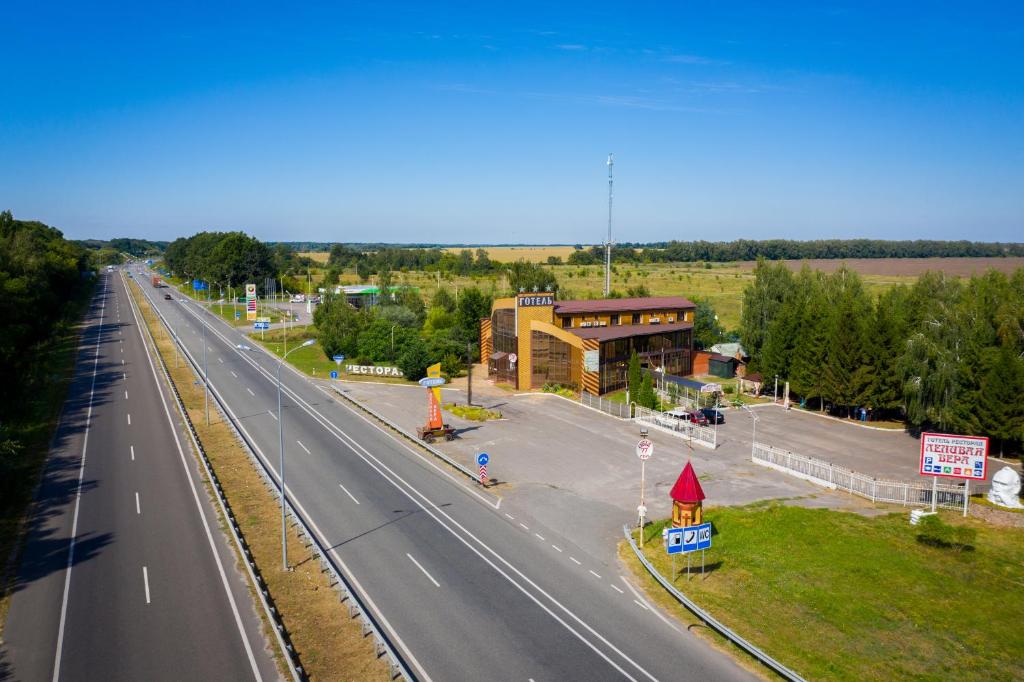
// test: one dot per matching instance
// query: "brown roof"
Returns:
(626, 330)
(620, 305)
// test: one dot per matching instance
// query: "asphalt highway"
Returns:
(464, 589)
(126, 574)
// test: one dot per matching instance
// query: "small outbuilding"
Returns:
(687, 499)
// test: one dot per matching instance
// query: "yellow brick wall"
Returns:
(540, 313)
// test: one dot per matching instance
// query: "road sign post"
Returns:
(482, 461)
(644, 450)
(953, 456)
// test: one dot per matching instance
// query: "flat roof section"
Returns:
(627, 330)
(622, 305)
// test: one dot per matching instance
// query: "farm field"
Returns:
(907, 267)
(532, 254)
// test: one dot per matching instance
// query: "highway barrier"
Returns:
(708, 619)
(348, 593)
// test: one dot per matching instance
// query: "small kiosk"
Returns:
(687, 499)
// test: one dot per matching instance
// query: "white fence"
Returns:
(701, 435)
(620, 410)
(840, 478)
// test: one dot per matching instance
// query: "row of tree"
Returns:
(230, 259)
(944, 353)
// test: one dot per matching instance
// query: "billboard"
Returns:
(950, 456)
(250, 302)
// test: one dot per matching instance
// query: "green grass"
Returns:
(33, 428)
(311, 359)
(836, 595)
(472, 413)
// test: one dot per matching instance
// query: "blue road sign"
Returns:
(704, 536)
(261, 326)
(338, 358)
(334, 374)
(199, 285)
(238, 314)
(696, 537)
(674, 540)
(482, 459)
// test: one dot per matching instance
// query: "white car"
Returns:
(299, 298)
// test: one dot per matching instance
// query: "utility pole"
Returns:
(608, 244)
(469, 374)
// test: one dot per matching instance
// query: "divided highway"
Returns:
(126, 574)
(465, 590)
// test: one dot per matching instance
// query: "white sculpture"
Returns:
(1005, 490)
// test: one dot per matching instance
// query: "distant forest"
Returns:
(739, 250)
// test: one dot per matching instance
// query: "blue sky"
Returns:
(491, 122)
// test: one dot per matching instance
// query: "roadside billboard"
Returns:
(951, 456)
(250, 302)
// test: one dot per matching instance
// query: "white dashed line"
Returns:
(138, 509)
(539, 537)
(510, 516)
(618, 589)
(641, 605)
(575, 561)
(525, 527)
(430, 577)
(595, 575)
(556, 548)
(303, 447)
(129, 419)
(133, 452)
(145, 581)
(354, 499)
(250, 391)
(272, 415)
(233, 374)
(220, 360)
(126, 395)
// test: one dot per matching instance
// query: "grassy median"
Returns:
(330, 644)
(836, 595)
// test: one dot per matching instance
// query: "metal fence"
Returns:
(701, 435)
(615, 409)
(838, 477)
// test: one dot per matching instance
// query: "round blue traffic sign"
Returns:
(334, 374)
(482, 459)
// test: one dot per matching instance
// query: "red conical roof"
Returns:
(687, 487)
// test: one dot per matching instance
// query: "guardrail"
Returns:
(838, 477)
(708, 619)
(280, 634)
(356, 603)
(402, 432)
(701, 435)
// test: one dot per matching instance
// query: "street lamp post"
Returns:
(206, 378)
(776, 399)
(280, 432)
(753, 435)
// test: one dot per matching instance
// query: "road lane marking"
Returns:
(641, 605)
(348, 493)
(575, 561)
(133, 452)
(126, 395)
(556, 548)
(78, 500)
(221, 361)
(250, 391)
(145, 580)
(304, 447)
(525, 527)
(138, 508)
(595, 575)
(233, 374)
(271, 413)
(129, 419)
(618, 589)
(430, 577)
(539, 537)
(510, 516)
(122, 361)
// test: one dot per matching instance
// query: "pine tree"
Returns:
(762, 300)
(633, 378)
(647, 398)
(845, 371)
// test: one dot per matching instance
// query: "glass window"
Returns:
(615, 319)
(636, 318)
(566, 322)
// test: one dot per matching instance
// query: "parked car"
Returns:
(712, 415)
(168, 297)
(692, 416)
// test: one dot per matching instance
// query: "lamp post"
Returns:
(206, 377)
(753, 435)
(393, 339)
(280, 432)
(642, 509)
(776, 399)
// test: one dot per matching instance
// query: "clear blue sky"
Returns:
(491, 123)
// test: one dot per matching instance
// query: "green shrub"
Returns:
(932, 531)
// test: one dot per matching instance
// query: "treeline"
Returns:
(230, 259)
(133, 247)
(787, 249)
(944, 353)
(403, 331)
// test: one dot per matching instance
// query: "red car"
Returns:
(693, 416)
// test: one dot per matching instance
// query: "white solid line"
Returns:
(250, 391)
(233, 374)
(138, 509)
(133, 452)
(595, 575)
(129, 419)
(641, 605)
(556, 548)
(436, 584)
(539, 537)
(575, 561)
(78, 500)
(525, 527)
(348, 493)
(145, 580)
(304, 447)
(271, 413)
(618, 589)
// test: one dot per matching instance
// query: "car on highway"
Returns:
(712, 415)
(167, 297)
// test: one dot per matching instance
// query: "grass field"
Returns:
(840, 596)
(531, 254)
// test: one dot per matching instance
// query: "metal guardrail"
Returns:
(356, 603)
(390, 424)
(280, 634)
(710, 620)
(838, 477)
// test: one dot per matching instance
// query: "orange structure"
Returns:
(687, 499)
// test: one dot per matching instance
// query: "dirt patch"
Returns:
(907, 267)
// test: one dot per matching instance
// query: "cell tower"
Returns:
(608, 244)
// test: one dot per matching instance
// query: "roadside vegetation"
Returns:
(836, 595)
(943, 353)
(472, 412)
(46, 283)
(329, 642)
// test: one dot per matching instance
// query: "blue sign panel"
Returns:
(261, 326)
(199, 285)
(238, 314)
(696, 537)
(334, 374)
(482, 459)
(674, 540)
(338, 358)
(431, 382)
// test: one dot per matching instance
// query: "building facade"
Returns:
(532, 339)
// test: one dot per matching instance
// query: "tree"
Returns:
(633, 378)
(443, 299)
(647, 397)
(414, 359)
(338, 326)
(1000, 409)
(762, 300)
(524, 276)
(474, 305)
(887, 331)
(706, 329)
(846, 369)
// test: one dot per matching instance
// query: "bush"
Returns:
(934, 533)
